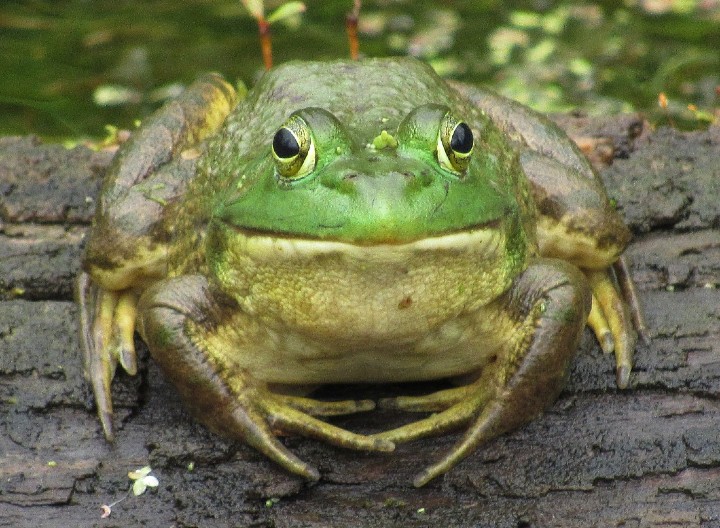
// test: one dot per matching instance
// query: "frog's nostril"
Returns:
(350, 177)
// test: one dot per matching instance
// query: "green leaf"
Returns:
(287, 10)
(140, 473)
(525, 19)
(139, 487)
(702, 115)
(254, 7)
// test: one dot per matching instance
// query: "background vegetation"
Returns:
(72, 66)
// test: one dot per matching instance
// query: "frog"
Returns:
(351, 222)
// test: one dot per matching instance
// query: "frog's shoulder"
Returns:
(150, 171)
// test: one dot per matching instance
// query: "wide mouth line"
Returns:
(468, 231)
(264, 245)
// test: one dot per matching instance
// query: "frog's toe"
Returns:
(96, 371)
(107, 322)
(123, 331)
(437, 401)
(599, 325)
(291, 420)
(260, 413)
(256, 432)
(434, 425)
(453, 407)
(325, 408)
(487, 426)
(631, 297)
(617, 318)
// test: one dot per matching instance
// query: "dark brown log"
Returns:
(646, 456)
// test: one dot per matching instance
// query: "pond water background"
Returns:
(70, 67)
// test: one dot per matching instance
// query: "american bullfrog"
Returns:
(351, 222)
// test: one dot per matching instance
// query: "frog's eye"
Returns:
(293, 149)
(433, 129)
(454, 144)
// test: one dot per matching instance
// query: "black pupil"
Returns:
(462, 139)
(285, 145)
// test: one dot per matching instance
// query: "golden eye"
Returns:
(293, 149)
(455, 144)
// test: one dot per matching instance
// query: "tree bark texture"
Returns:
(641, 457)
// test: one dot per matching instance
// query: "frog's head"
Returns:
(418, 162)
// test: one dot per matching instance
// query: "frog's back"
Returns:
(358, 93)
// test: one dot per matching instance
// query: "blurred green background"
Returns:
(69, 67)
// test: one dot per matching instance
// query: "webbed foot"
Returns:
(107, 322)
(544, 315)
(182, 323)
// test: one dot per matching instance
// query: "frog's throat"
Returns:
(488, 240)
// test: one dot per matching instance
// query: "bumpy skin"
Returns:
(382, 263)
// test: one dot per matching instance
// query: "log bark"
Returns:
(641, 457)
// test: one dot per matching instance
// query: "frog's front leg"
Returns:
(578, 223)
(128, 244)
(576, 220)
(537, 326)
(197, 338)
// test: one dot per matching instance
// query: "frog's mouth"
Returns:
(332, 235)
(488, 240)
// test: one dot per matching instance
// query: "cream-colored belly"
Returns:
(457, 347)
(327, 312)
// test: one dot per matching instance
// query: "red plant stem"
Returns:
(265, 42)
(351, 26)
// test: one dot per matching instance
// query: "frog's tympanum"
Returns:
(351, 222)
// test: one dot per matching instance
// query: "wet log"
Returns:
(645, 456)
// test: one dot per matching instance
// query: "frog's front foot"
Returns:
(612, 317)
(107, 322)
(182, 321)
(542, 318)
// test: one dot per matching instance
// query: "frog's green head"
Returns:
(368, 153)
